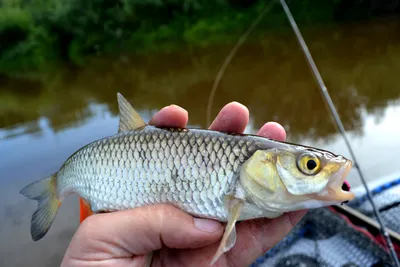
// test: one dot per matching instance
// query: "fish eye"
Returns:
(308, 164)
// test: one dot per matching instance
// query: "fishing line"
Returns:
(232, 53)
(328, 99)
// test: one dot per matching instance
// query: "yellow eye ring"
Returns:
(308, 164)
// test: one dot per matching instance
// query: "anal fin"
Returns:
(84, 210)
(229, 238)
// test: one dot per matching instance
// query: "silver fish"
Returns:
(208, 174)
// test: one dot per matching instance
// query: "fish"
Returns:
(223, 176)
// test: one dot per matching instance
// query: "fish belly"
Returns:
(191, 169)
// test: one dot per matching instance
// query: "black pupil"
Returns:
(311, 164)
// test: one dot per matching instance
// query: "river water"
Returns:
(43, 122)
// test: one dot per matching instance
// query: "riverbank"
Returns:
(39, 35)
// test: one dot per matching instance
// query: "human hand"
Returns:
(123, 238)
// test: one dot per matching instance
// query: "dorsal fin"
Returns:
(129, 119)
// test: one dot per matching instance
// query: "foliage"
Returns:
(36, 34)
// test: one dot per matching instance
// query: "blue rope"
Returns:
(377, 191)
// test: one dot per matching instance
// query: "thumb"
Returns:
(139, 231)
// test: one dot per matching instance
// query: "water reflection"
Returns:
(271, 77)
(43, 122)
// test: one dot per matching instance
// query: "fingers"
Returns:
(273, 130)
(170, 116)
(256, 237)
(139, 231)
(233, 117)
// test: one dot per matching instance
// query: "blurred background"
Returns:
(63, 61)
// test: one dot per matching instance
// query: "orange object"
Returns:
(84, 209)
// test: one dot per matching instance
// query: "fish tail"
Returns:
(45, 193)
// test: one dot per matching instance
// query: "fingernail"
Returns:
(178, 107)
(206, 225)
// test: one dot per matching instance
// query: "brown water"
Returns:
(42, 123)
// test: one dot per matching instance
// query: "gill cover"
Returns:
(260, 168)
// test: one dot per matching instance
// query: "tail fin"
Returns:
(44, 191)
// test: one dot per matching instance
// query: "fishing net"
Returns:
(387, 200)
(325, 237)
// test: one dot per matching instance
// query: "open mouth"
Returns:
(338, 188)
(346, 187)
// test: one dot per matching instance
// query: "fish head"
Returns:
(285, 179)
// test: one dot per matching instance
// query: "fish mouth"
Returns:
(336, 191)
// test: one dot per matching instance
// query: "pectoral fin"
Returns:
(229, 238)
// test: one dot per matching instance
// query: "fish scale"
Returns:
(206, 173)
(191, 169)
